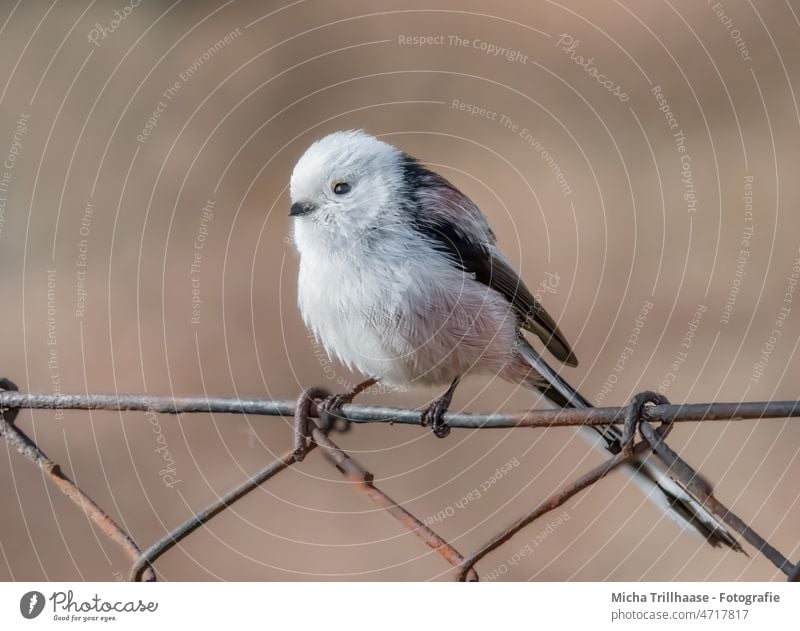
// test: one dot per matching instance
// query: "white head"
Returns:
(343, 185)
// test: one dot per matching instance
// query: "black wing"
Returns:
(456, 227)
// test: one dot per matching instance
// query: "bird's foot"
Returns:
(432, 415)
(329, 413)
(330, 408)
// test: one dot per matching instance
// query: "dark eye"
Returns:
(340, 188)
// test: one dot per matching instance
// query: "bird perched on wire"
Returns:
(401, 279)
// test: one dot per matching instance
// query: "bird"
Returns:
(401, 279)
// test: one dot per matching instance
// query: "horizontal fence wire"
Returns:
(646, 423)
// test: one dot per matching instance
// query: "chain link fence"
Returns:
(646, 423)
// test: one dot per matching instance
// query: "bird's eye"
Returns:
(340, 188)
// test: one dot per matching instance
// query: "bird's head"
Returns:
(345, 185)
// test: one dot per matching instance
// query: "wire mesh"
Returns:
(646, 423)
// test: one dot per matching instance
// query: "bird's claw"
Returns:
(329, 409)
(432, 416)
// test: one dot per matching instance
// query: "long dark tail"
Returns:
(649, 473)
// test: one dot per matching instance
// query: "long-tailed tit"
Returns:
(402, 280)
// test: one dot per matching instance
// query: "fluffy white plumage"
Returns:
(377, 296)
(401, 279)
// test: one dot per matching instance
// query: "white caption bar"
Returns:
(369, 606)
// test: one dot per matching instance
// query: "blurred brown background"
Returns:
(96, 195)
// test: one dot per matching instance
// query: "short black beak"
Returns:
(301, 208)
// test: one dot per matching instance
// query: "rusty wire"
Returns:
(637, 419)
(16, 438)
(686, 412)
